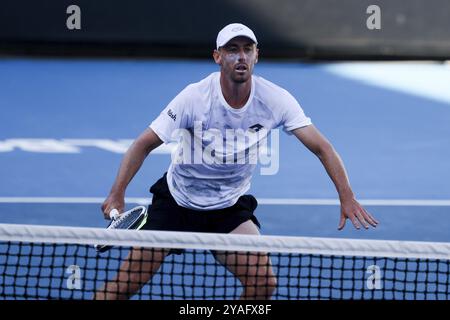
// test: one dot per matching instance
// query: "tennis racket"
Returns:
(132, 219)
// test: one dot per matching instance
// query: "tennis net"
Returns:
(44, 262)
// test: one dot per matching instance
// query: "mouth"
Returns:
(241, 68)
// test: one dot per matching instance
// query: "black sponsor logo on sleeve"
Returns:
(172, 115)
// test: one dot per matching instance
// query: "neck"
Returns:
(235, 94)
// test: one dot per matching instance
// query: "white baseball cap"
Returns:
(234, 30)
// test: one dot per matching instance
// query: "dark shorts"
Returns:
(165, 214)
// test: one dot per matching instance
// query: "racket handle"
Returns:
(114, 214)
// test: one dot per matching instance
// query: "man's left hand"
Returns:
(351, 209)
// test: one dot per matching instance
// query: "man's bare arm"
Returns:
(322, 148)
(131, 163)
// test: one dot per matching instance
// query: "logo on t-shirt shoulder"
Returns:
(255, 127)
(172, 115)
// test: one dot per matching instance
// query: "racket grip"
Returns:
(114, 214)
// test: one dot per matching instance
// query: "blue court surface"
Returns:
(66, 124)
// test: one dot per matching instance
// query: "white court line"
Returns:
(69, 200)
(263, 201)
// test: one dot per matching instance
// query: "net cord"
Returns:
(213, 241)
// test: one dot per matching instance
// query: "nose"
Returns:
(242, 55)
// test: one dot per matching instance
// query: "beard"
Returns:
(241, 78)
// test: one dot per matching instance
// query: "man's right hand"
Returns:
(113, 202)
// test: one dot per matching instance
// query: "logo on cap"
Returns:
(236, 29)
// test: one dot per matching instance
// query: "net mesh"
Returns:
(39, 262)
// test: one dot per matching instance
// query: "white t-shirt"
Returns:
(200, 115)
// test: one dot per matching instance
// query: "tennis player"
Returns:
(211, 197)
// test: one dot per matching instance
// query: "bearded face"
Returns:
(237, 59)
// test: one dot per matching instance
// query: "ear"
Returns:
(217, 57)
(257, 54)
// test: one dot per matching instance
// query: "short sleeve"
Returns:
(177, 115)
(293, 116)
